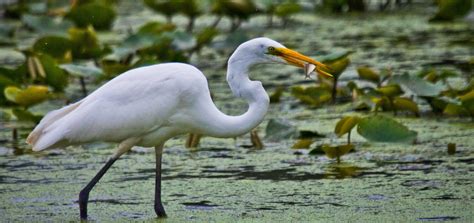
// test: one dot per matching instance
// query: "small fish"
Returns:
(308, 69)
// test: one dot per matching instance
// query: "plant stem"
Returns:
(349, 137)
(14, 134)
(334, 91)
(83, 86)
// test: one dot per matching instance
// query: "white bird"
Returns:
(146, 106)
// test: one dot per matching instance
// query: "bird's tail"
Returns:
(43, 137)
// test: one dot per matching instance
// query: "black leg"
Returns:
(84, 194)
(159, 209)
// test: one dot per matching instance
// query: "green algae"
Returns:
(222, 181)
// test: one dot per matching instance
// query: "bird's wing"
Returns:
(132, 104)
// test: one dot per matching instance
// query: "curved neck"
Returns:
(223, 125)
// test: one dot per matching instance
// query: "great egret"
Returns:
(147, 106)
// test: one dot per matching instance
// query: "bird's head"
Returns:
(267, 50)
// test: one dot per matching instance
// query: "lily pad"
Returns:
(302, 144)
(85, 44)
(391, 90)
(46, 24)
(419, 86)
(384, 129)
(26, 116)
(280, 129)
(406, 104)
(56, 46)
(81, 70)
(369, 74)
(335, 152)
(312, 96)
(99, 16)
(345, 125)
(55, 76)
(29, 96)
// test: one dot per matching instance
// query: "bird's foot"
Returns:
(160, 211)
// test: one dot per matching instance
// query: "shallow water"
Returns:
(223, 180)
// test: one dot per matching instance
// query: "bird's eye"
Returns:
(271, 50)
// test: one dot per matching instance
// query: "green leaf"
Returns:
(26, 116)
(276, 95)
(345, 125)
(56, 46)
(455, 110)
(467, 101)
(383, 129)
(302, 144)
(81, 70)
(181, 40)
(206, 36)
(451, 9)
(367, 73)
(279, 129)
(406, 104)
(419, 86)
(336, 151)
(99, 16)
(334, 56)
(29, 96)
(85, 44)
(55, 76)
(337, 66)
(391, 90)
(312, 96)
(286, 9)
(156, 28)
(46, 24)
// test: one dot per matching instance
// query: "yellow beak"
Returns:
(297, 59)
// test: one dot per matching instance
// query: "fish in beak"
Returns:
(297, 59)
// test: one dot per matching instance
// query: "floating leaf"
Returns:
(276, 95)
(337, 66)
(85, 44)
(334, 56)
(451, 9)
(313, 96)
(99, 16)
(4, 82)
(286, 9)
(181, 40)
(56, 46)
(337, 151)
(33, 94)
(302, 144)
(367, 73)
(81, 70)
(383, 129)
(307, 134)
(467, 100)
(279, 129)
(455, 109)
(345, 125)
(419, 86)
(405, 104)
(156, 28)
(46, 24)
(55, 76)
(26, 116)
(206, 36)
(391, 90)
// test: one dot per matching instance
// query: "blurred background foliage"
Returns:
(66, 50)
